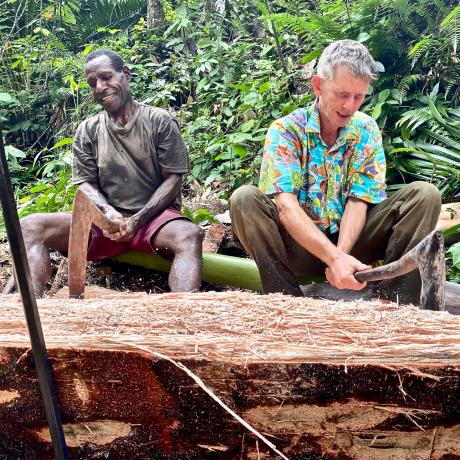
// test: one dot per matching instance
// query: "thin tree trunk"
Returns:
(219, 5)
(208, 9)
(255, 27)
(155, 15)
(277, 42)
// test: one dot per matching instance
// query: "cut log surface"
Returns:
(319, 379)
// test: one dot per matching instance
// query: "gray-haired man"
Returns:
(324, 166)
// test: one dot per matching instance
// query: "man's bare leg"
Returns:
(182, 240)
(42, 233)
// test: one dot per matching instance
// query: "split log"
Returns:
(319, 379)
(213, 238)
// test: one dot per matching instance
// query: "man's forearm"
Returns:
(163, 196)
(351, 224)
(93, 191)
(303, 229)
(340, 266)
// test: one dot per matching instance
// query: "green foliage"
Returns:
(454, 254)
(429, 146)
(452, 230)
(53, 191)
(199, 216)
(453, 263)
(99, 18)
(225, 82)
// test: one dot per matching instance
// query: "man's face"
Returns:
(109, 87)
(339, 98)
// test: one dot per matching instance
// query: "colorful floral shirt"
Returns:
(296, 160)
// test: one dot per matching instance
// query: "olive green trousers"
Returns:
(392, 228)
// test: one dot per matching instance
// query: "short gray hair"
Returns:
(348, 53)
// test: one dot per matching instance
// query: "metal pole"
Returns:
(24, 283)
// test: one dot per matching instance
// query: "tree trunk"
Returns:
(208, 9)
(155, 15)
(254, 26)
(214, 10)
(248, 14)
(319, 379)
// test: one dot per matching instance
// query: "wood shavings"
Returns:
(243, 327)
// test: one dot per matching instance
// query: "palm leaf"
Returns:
(454, 144)
(412, 119)
(304, 25)
(97, 14)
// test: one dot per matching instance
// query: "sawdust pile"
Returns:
(243, 327)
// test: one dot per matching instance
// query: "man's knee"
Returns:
(190, 237)
(33, 227)
(51, 230)
(244, 198)
(425, 192)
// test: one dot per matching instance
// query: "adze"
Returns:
(85, 213)
(428, 257)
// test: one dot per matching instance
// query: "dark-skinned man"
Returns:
(324, 169)
(130, 159)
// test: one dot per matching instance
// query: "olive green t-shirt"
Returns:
(127, 162)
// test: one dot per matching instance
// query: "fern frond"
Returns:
(107, 13)
(421, 47)
(406, 83)
(412, 119)
(305, 25)
(444, 140)
(451, 18)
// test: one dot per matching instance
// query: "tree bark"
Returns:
(155, 15)
(320, 379)
(255, 27)
(208, 9)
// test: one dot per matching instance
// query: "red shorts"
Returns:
(102, 247)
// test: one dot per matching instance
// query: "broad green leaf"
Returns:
(65, 141)
(240, 150)
(72, 82)
(380, 67)
(38, 188)
(251, 98)
(434, 111)
(213, 147)
(265, 87)
(196, 170)
(377, 110)
(247, 126)
(6, 98)
(451, 230)
(306, 58)
(363, 37)
(238, 138)
(434, 91)
(13, 152)
(383, 95)
(88, 49)
(67, 15)
(454, 253)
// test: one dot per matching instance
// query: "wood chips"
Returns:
(242, 327)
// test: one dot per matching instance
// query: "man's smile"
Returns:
(107, 98)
